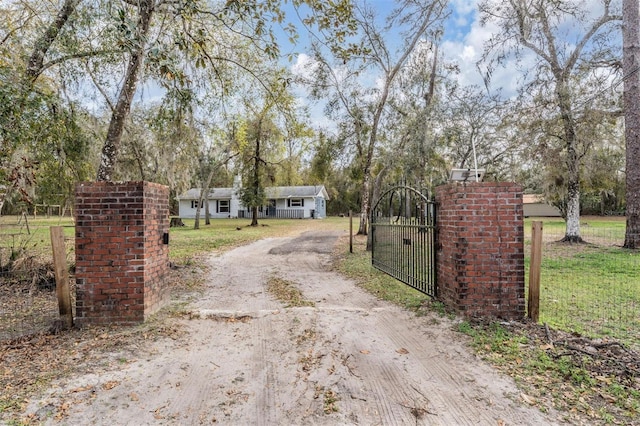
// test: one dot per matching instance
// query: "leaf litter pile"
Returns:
(28, 301)
(592, 381)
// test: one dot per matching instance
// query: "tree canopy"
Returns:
(350, 94)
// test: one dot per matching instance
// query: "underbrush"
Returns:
(590, 381)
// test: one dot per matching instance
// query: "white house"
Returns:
(291, 202)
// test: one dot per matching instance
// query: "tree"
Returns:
(631, 70)
(343, 77)
(22, 111)
(259, 141)
(561, 55)
(473, 131)
(195, 37)
(146, 9)
(416, 107)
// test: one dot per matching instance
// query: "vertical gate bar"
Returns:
(422, 230)
(395, 251)
(432, 243)
(414, 243)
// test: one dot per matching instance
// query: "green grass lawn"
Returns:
(31, 237)
(185, 243)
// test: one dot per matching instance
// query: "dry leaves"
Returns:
(528, 399)
(110, 385)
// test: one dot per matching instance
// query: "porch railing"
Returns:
(271, 214)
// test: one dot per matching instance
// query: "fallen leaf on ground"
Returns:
(110, 385)
(364, 351)
(402, 351)
(528, 399)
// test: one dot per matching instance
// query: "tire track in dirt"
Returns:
(266, 403)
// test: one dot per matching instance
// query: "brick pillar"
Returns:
(121, 258)
(480, 249)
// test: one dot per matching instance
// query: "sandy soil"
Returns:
(245, 359)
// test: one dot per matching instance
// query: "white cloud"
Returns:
(464, 7)
(466, 51)
(304, 66)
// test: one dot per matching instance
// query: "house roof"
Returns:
(296, 191)
(214, 193)
(277, 192)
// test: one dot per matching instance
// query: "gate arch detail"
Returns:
(403, 237)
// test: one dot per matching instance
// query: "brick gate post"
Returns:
(121, 248)
(480, 249)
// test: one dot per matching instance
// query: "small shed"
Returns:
(534, 205)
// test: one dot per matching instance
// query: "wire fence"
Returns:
(28, 302)
(592, 289)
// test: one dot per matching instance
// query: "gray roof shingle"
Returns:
(277, 192)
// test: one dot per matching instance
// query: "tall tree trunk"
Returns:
(572, 234)
(377, 188)
(43, 44)
(207, 218)
(256, 177)
(204, 198)
(631, 62)
(196, 223)
(123, 106)
(365, 206)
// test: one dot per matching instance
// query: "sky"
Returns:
(463, 36)
(462, 43)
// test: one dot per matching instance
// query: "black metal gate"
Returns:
(403, 238)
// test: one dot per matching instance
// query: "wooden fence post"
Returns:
(350, 231)
(62, 275)
(533, 307)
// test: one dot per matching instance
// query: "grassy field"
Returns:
(29, 237)
(32, 238)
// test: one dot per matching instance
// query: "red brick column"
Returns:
(121, 258)
(480, 249)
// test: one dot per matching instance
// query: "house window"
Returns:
(295, 202)
(223, 206)
(194, 204)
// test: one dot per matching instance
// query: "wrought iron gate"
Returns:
(403, 238)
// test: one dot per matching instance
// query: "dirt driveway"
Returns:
(245, 359)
